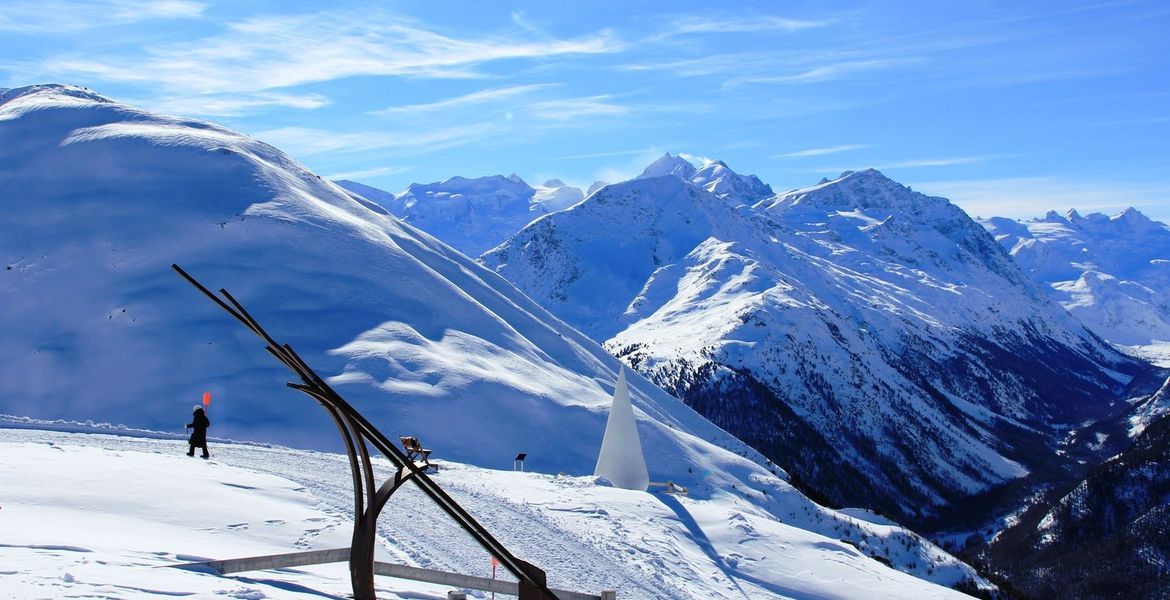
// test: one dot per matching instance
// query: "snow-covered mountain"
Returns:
(1112, 273)
(876, 342)
(100, 198)
(472, 215)
(475, 215)
(713, 176)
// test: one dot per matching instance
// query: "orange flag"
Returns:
(206, 399)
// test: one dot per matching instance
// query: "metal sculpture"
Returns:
(356, 433)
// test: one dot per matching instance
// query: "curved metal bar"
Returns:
(388, 488)
(356, 431)
(347, 438)
(368, 474)
(361, 555)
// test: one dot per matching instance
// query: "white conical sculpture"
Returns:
(621, 460)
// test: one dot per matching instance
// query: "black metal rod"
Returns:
(353, 422)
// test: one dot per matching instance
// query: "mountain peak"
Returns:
(1131, 216)
(669, 165)
(712, 175)
(869, 174)
(866, 183)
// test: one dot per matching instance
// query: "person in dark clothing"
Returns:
(199, 424)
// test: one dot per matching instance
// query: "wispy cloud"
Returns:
(695, 159)
(308, 141)
(366, 173)
(916, 163)
(638, 152)
(722, 63)
(821, 151)
(271, 52)
(232, 105)
(629, 168)
(726, 24)
(521, 20)
(934, 162)
(60, 16)
(827, 72)
(567, 109)
(474, 98)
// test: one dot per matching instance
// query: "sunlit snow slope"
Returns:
(100, 198)
(91, 515)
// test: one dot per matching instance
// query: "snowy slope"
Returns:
(586, 263)
(555, 195)
(472, 215)
(1112, 273)
(144, 505)
(876, 342)
(101, 198)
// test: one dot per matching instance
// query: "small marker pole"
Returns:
(495, 563)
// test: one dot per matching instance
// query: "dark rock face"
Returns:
(1106, 536)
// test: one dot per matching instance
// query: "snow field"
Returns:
(97, 515)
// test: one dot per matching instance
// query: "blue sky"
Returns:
(1008, 108)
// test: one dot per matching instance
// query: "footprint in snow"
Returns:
(242, 594)
(237, 526)
(275, 522)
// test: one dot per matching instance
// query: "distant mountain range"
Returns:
(769, 312)
(876, 342)
(1112, 273)
(472, 215)
(890, 351)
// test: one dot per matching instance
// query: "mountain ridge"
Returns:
(790, 305)
(1112, 273)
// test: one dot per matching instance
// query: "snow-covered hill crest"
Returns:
(875, 341)
(102, 198)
